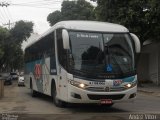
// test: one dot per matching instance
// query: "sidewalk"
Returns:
(149, 89)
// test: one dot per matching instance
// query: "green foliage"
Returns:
(11, 54)
(54, 17)
(139, 16)
(21, 31)
(80, 10)
(153, 18)
(4, 35)
(72, 10)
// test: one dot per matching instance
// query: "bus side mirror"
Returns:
(65, 37)
(136, 42)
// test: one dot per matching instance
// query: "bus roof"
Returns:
(92, 26)
(85, 26)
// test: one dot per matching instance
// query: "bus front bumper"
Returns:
(78, 95)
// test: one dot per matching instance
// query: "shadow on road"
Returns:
(88, 108)
(83, 108)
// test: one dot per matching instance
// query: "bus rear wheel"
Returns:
(56, 101)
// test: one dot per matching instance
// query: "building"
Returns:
(149, 63)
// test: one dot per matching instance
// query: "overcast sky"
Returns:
(30, 10)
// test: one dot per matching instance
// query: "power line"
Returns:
(34, 6)
(6, 15)
(3, 16)
(40, 2)
(4, 4)
(1, 22)
(9, 13)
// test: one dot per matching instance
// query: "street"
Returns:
(79, 51)
(18, 100)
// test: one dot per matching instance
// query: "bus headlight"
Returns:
(77, 84)
(82, 85)
(130, 85)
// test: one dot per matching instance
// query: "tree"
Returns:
(79, 10)
(21, 31)
(54, 17)
(130, 13)
(4, 35)
(72, 10)
(153, 18)
(139, 16)
(11, 55)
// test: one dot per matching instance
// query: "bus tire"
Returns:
(56, 101)
(33, 92)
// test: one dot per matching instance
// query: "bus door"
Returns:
(62, 74)
(63, 82)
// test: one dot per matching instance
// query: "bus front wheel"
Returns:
(56, 101)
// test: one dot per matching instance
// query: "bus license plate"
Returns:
(106, 101)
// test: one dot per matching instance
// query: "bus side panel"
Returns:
(41, 81)
(48, 74)
(34, 76)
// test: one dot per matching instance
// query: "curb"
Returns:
(149, 93)
(146, 91)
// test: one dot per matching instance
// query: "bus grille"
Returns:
(99, 97)
(102, 89)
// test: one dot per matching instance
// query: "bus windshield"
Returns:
(107, 53)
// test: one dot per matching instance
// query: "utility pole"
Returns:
(9, 24)
(6, 4)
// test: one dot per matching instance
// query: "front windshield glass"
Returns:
(119, 53)
(101, 53)
(87, 51)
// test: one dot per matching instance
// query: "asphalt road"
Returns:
(18, 102)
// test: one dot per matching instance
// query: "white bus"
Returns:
(83, 62)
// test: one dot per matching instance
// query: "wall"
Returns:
(143, 67)
(149, 63)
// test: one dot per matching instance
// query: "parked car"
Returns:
(7, 78)
(14, 75)
(21, 80)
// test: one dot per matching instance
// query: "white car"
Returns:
(21, 80)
